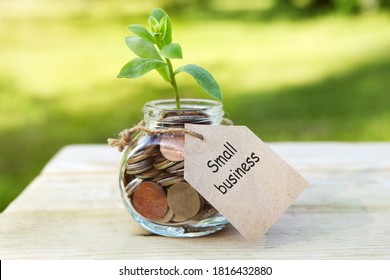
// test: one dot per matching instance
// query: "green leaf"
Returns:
(141, 31)
(163, 27)
(172, 51)
(203, 78)
(142, 47)
(159, 14)
(139, 67)
(154, 24)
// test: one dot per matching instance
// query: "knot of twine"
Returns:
(126, 136)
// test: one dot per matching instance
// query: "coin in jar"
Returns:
(163, 165)
(168, 216)
(139, 167)
(183, 200)
(177, 166)
(150, 201)
(172, 146)
(169, 181)
(151, 173)
(137, 157)
(130, 187)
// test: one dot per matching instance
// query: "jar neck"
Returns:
(163, 113)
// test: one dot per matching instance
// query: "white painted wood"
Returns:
(73, 210)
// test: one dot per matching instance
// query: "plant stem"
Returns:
(173, 82)
(172, 76)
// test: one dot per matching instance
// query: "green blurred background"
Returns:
(292, 70)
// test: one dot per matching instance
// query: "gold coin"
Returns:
(183, 200)
(172, 146)
(168, 216)
(204, 214)
(150, 201)
(177, 218)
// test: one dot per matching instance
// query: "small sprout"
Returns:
(155, 50)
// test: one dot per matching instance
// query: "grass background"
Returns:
(286, 74)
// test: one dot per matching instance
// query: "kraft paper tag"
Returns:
(241, 177)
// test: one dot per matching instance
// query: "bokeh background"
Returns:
(291, 70)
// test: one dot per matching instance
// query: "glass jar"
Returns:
(151, 179)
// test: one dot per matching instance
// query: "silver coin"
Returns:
(151, 173)
(137, 157)
(132, 186)
(139, 165)
(139, 170)
(177, 166)
(170, 181)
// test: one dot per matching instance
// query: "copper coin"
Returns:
(158, 158)
(149, 201)
(183, 200)
(172, 147)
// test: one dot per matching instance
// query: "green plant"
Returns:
(151, 58)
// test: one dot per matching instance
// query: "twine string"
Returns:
(126, 136)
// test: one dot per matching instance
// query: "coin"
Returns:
(163, 165)
(158, 158)
(179, 165)
(204, 214)
(150, 201)
(139, 170)
(179, 173)
(183, 119)
(161, 176)
(130, 187)
(151, 149)
(137, 157)
(168, 216)
(127, 178)
(170, 181)
(139, 167)
(183, 200)
(177, 218)
(149, 173)
(180, 118)
(172, 146)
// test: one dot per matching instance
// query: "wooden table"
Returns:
(73, 210)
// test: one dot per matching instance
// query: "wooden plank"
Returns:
(73, 210)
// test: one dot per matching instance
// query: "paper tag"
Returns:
(241, 177)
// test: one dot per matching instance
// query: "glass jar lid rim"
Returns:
(187, 104)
